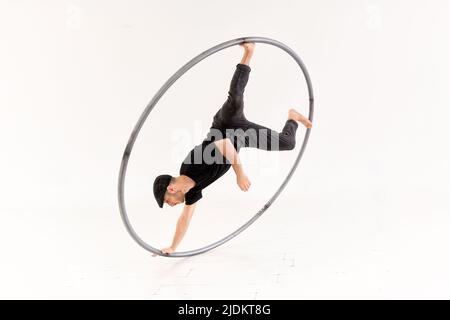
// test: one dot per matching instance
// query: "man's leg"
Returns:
(232, 111)
(261, 137)
(264, 138)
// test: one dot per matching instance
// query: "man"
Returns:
(210, 160)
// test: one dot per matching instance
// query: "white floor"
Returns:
(341, 247)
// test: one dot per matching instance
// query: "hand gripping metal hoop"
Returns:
(154, 101)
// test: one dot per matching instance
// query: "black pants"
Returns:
(231, 122)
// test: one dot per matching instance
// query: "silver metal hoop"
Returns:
(154, 101)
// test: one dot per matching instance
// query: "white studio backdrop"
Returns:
(76, 75)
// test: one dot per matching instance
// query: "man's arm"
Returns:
(229, 151)
(182, 226)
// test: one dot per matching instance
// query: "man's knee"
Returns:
(287, 145)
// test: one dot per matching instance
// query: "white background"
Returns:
(366, 215)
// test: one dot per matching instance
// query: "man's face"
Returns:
(172, 199)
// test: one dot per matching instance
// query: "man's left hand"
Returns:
(168, 250)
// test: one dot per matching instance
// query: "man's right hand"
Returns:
(243, 182)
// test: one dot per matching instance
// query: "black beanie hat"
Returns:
(160, 188)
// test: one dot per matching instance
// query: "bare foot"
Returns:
(297, 116)
(249, 46)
